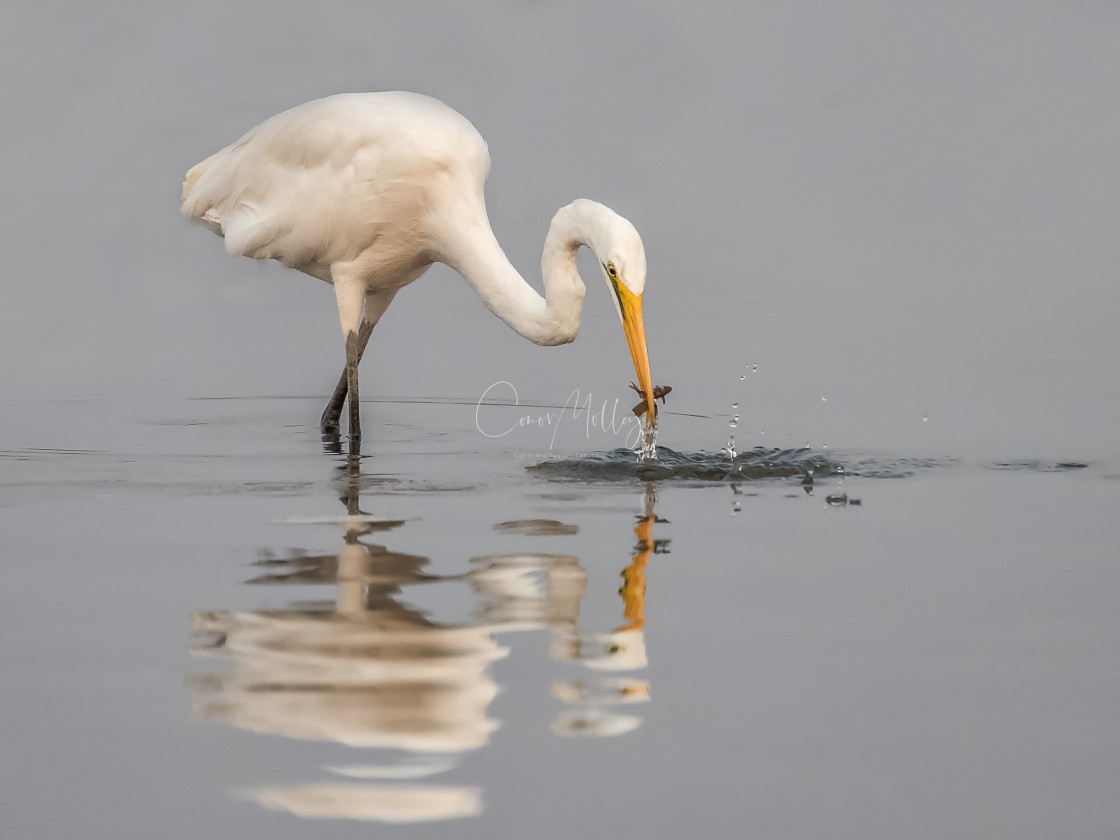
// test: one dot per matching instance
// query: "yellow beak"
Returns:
(633, 323)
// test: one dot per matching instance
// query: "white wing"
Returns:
(323, 183)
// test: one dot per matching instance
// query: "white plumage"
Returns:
(366, 190)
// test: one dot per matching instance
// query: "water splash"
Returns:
(647, 449)
(733, 423)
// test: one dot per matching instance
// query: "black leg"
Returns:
(353, 357)
(332, 414)
(328, 424)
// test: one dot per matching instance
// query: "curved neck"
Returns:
(552, 319)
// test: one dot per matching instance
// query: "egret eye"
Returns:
(611, 272)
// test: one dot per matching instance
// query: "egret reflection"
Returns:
(366, 669)
(623, 649)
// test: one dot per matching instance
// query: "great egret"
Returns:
(367, 190)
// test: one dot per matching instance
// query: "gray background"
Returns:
(897, 211)
(906, 209)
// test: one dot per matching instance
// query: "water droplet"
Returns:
(741, 378)
(824, 399)
(734, 421)
(734, 406)
(925, 419)
(754, 368)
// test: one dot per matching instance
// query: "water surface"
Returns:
(236, 632)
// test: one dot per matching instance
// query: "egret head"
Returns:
(623, 260)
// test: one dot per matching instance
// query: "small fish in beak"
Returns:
(659, 393)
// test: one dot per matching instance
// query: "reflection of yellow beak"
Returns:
(633, 322)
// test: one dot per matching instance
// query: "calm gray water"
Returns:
(882, 235)
(217, 629)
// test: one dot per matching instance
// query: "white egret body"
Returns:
(367, 190)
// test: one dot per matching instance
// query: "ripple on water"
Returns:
(1037, 465)
(755, 464)
(621, 465)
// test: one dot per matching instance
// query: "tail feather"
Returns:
(196, 204)
(193, 176)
